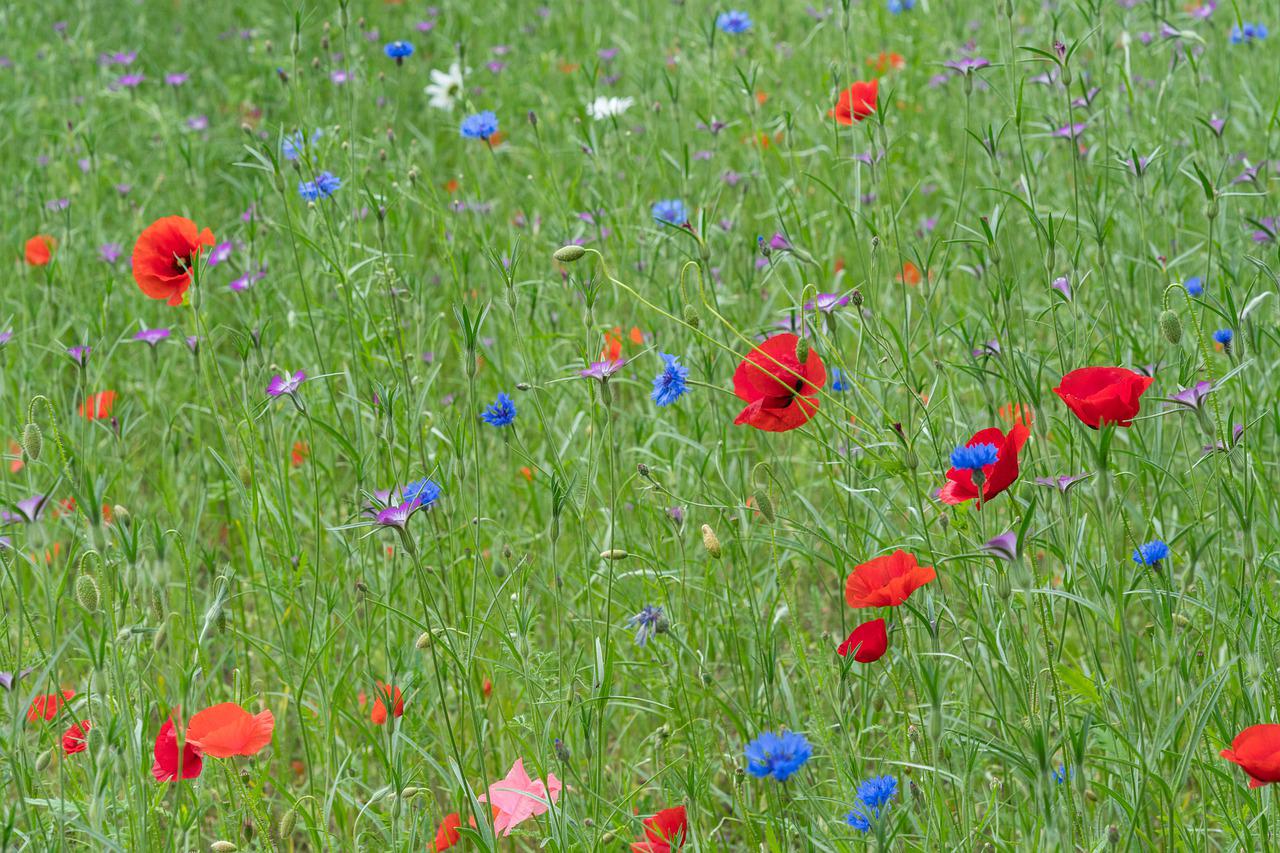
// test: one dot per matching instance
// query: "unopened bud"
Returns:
(32, 441)
(223, 847)
(43, 760)
(710, 541)
(423, 642)
(1170, 326)
(691, 317)
(569, 254)
(562, 751)
(613, 554)
(287, 822)
(802, 350)
(87, 592)
(765, 504)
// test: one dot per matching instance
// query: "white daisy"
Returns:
(446, 86)
(605, 107)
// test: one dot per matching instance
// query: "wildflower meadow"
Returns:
(640, 427)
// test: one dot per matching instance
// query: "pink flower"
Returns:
(517, 798)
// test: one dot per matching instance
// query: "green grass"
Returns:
(426, 285)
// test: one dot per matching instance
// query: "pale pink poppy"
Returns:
(517, 798)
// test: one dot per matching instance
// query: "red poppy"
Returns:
(447, 835)
(1257, 751)
(885, 61)
(780, 392)
(164, 255)
(172, 763)
(997, 476)
(39, 250)
(46, 707)
(379, 715)
(868, 642)
(664, 832)
(73, 739)
(857, 102)
(910, 274)
(98, 406)
(886, 581)
(227, 729)
(301, 450)
(1017, 413)
(1103, 395)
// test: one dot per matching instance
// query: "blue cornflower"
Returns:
(1061, 773)
(423, 492)
(671, 211)
(858, 818)
(325, 185)
(877, 791)
(398, 50)
(669, 385)
(1224, 336)
(733, 22)
(897, 7)
(480, 126)
(1247, 31)
(1194, 285)
(974, 458)
(648, 622)
(295, 143)
(837, 380)
(501, 413)
(1151, 553)
(777, 755)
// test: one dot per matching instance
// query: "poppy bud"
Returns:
(562, 751)
(765, 504)
(569, 254)
(691, 318)
(161, 637)
(223, 847)
(423, 642)
(613, 554)
(523, 386)
(802, 350)
(287, 822)
(710, 541)
(32, 441)
(87, 592)
(43, 759)
(1170, 326)
(607, 838)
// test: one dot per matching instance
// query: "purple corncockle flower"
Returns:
(967, 64)
(990, 348)
(1217, 125)
(339, 76)
(827, 302)
(1192, 398)
(1003, 547)
(124, 189)
(198, 123)
(281, 385)
(175, 79)
(1219, 447)
(109, 252)
(119, 57)
(1204, 11)
(676, 514)
(397, 516)
(220, 253)
(1063, 285)
(57, 204)
(6, 336)
(1064, 483)
(607, 54)
(425, 26)
(129, 81)
(29, 510)
(193, 343)
(7, 679)
(1070, 131)
(1250, 173)
(79, 354)
(248, 279)
(602, 370)
(779, 243)
(1087, 100)
(151, 336)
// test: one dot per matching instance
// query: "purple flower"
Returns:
(220, 253)
(198, 123)
(109, 252)
(175, 79)
(119, 57)
(425, 26)
(193, 343)
(151, 336)
(602, 370)
(7, 679)
(281, 385)
(397, 516)
(967, 64)
(6, 336)
(1064, 483)
(248, 279)
(129, 81)
(79, 354)
(1003, 547)
(1192, 398)
(827, 302)
(29, 510)
(990, 348)
(57, 204)
(1219, 447)
(1063, 285)
(339, 76)
(1070, 131)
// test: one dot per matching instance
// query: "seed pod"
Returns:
(613, 554)
(87, 592)
(710, 541)
(569, 254)
(223, 847)
(423, 642)
(691, 317)
(43, 760)
(32, 441)
(1170, 326)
